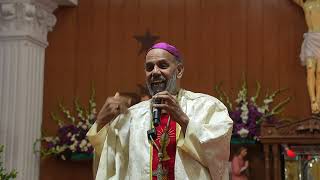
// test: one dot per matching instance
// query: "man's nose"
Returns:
(156, 73)
(156, 70)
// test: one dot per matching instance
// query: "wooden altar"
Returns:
(304, 132)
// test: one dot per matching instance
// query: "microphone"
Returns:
(156, 113)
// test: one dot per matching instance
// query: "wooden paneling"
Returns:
(221, 44)
(255, 45)
(193, 51)
(238, 50)
(220, 40)
(99, 54)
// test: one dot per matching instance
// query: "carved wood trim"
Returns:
(307, 128)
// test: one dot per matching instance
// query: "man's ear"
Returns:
(180, 69)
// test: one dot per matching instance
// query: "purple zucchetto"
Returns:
(171, 49)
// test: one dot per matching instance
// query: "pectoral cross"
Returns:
(160, 173)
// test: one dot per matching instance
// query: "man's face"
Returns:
(161, 71)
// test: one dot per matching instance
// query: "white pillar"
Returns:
(24, 25)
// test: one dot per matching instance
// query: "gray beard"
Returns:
(171, 86)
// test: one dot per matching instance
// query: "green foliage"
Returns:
(3, 174)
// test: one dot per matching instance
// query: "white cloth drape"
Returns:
(310, 47)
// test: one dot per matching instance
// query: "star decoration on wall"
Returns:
(146, 41)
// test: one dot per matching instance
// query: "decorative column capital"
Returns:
(67, 2)
(27, 19)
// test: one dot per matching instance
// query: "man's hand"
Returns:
(111, 109)
(171, 105)
(246, 164)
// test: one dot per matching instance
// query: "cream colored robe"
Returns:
(202, 153)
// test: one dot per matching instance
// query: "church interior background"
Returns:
(55, 51)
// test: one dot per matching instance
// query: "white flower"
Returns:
(244, 117)
(263, 109)
(79, 124)
(60, 124)
(242, 95)
(91, 116)
(244, 113)
(85, 149)
(88, 123)
(48, 139)
(253, 100)
(76, 142)
(60, 149)
(80, 115)
(73, 146)
(83, 143)
(267, 101)
(84, 127)
(243, 132)
(73, 138)
(69, 134)
(63, 148)
(244, 106)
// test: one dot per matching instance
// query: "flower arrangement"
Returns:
(248, 114)
(3, 174)
(71, 141)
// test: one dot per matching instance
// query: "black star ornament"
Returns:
(146, 41)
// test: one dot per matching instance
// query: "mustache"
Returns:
(158, 78)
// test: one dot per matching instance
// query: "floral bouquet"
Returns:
(71, 141)
(247, 114)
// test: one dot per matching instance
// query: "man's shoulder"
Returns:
(202, 99)
(195, 96)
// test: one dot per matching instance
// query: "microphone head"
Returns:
(157, 90)
(157, 101)
(157, 111)
(156, 116)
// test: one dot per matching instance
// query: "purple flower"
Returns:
(251, 124)
(50, 145)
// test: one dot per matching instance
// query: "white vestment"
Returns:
(202, 153)
(310, 47)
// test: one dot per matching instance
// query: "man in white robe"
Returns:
(202, 128)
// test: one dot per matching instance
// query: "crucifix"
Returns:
(160, 173)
